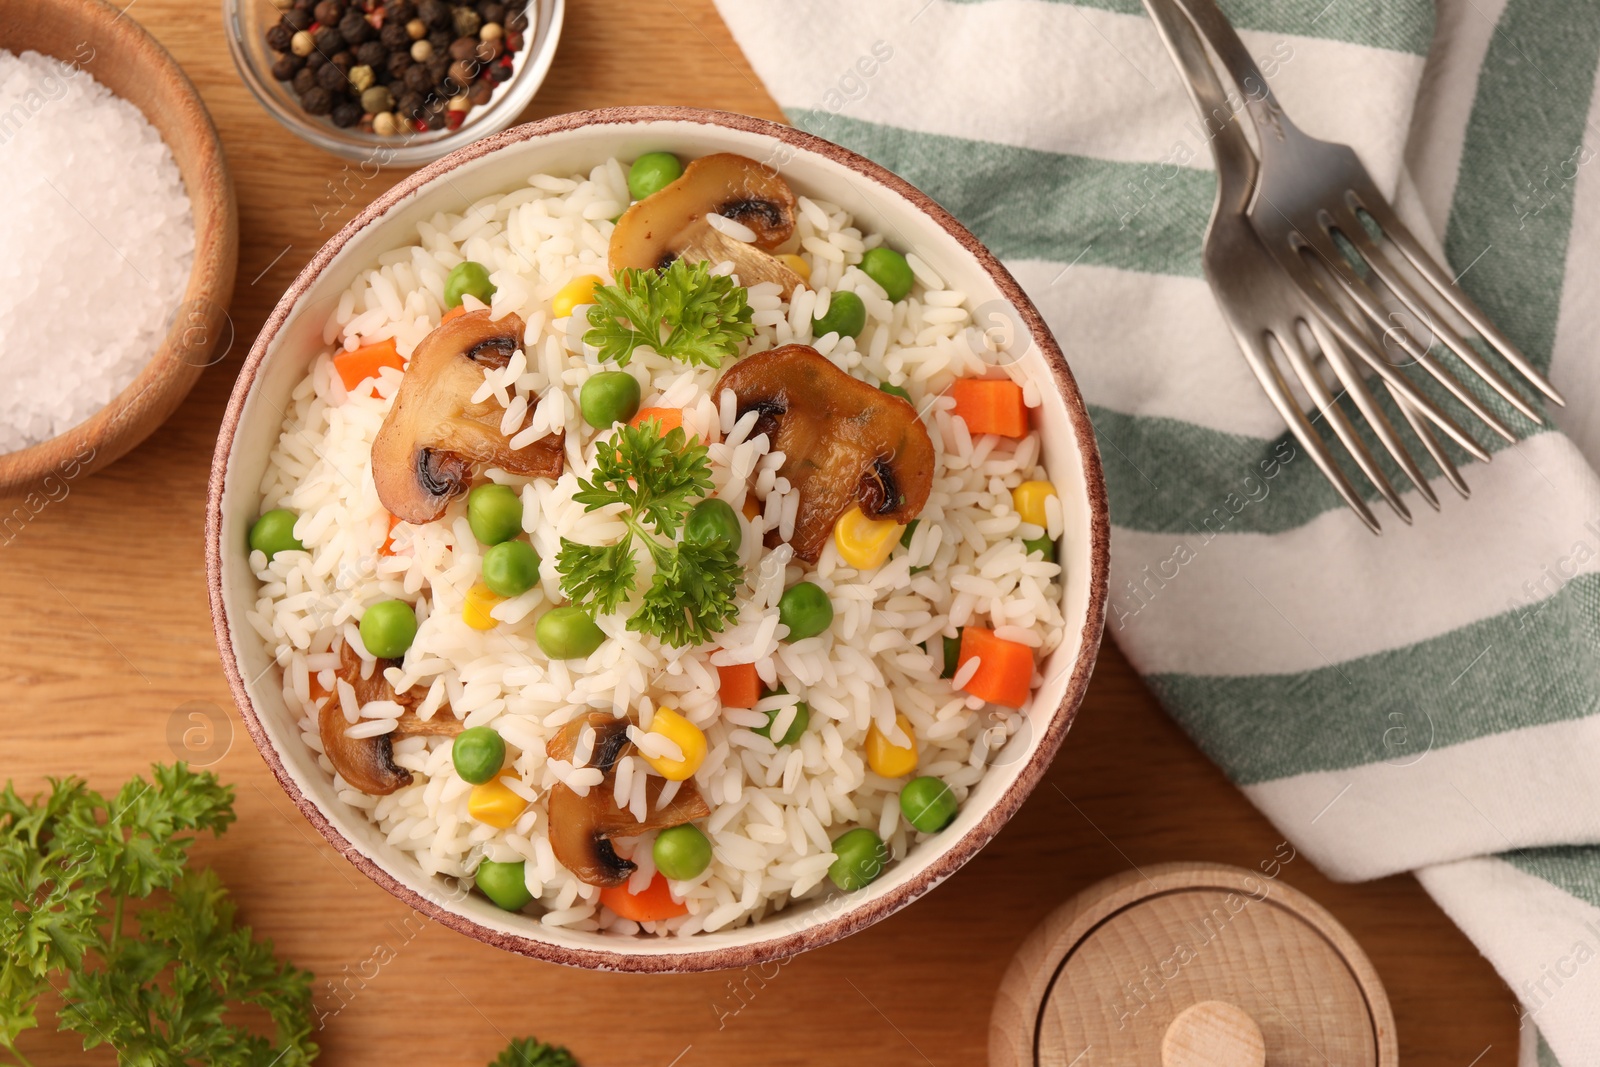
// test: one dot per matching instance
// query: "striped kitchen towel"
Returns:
(1425, 701)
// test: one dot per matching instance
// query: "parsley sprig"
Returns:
(684, 312)
(95, 893)
(531, 1052)
(658, 480)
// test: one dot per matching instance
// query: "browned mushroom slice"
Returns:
(671, 223)
(435, 436)
(581, 828)
(367, 763)
(844, 442)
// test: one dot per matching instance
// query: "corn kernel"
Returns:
(796, 264)
(475, 610)
(495, 804)
(889, 760)
(1028, 499)
(687, 736)
(579, 290)
(864, 543)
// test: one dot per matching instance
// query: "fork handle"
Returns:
(1268, 115)
(1235, 160)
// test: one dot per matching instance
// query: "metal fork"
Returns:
(1267, 306)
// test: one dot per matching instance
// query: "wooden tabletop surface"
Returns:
(107, 635)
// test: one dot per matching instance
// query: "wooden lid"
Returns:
(1191, 965)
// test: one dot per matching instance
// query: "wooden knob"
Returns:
(1213, 1033)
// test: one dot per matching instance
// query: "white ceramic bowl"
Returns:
(568, 143)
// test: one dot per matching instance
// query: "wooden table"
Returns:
(107, 634)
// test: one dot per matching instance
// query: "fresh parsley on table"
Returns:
(657, 480)
(97, 905)
(531, 1052)
(684, 312)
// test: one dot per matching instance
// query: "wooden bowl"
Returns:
(121, 55)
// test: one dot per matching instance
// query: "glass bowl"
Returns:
(246, 22)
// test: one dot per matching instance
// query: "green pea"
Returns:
(653, 172)
(952, 653)
(505, 884)
(478, 753)
(847, 316)
(568, 633)
(510, 568)
(494, 512)
(895, 390)
(862, 856)
(928, 804)
(1043, 545)
(890, 270)
(274, 533)
(714, 519)
(607, 398)
(805, 609)
(468, 277)
(682, 852)
(388, 628)
(797, 725)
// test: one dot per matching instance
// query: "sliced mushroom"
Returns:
(435, 436)
(844, 441)
(367, 763)
(581, 828)
(671, 223)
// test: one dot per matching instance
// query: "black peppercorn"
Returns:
(417, 78)
(398, 64)
(343, 60)
(285, 67)
(328, 40)
(316, 61)
(480, 93)
(492, 12)
(394, 36)
(346, 114)
(331, 78)
(317, 101)
(410, 105)
(440, 41)
(305, 80)
(328, 12)
(436, 121)
(516, 18)
(401, 11)
(439, 66)
(278, 38)
(434, 13)
(295, 21)
(355, 28)
(371, 54)
(499, 73)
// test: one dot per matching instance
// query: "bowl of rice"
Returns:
(656, 539)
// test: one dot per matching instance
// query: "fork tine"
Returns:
(1350, 333)
(1384, 268)
(1356, 386)
(1357, 341)
(1277, 390)
(1340, 425)
(1420, 427)
(1430, 269)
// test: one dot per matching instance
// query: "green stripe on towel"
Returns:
(1498, 674)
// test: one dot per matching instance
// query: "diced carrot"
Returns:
(741, 686)
(454, 313)
(752, 508)
(365, 362)
(652, 905)
(1005, 668)
(388, 542)
(669, 418)
(991, 405)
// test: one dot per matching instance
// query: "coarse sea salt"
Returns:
(95, 246)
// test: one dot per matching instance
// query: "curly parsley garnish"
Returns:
(684, 312)
(96, 904)
(658, 480)
(531, 1052)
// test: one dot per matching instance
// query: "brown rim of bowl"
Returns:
(186, 126)
(852, 919)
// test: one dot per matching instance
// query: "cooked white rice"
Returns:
(774, 810)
